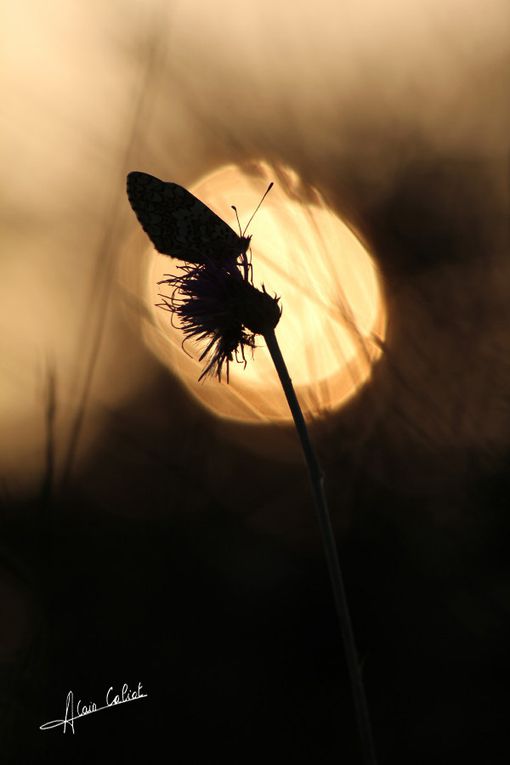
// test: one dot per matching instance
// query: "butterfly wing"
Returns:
(179, 224)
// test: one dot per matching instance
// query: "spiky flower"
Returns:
(222, 308)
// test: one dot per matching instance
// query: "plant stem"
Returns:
(328, 540)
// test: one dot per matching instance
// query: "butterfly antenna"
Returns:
(257, 207)
(237, 218)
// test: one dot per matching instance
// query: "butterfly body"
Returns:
(180, 225)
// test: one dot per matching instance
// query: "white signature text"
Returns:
(83, 710)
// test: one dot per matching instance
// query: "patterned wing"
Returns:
(179, 224)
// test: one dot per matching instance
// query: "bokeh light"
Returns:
(333, 311)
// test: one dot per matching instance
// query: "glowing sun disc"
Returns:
(329, 289)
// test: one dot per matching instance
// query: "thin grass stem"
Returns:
(328, 540)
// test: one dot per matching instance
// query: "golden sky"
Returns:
(347, 94)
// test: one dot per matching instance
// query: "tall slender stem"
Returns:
(328, 540)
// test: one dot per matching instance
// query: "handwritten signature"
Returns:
(83, 710)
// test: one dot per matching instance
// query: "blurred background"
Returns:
(145, 539)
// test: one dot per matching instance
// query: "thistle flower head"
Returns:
(221, 307)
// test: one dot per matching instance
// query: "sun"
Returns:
(333, 318)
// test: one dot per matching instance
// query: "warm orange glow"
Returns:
(329, 289)
(397, 91)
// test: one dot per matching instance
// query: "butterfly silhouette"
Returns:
(180, 225)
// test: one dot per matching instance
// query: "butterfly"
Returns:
(180, 225)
